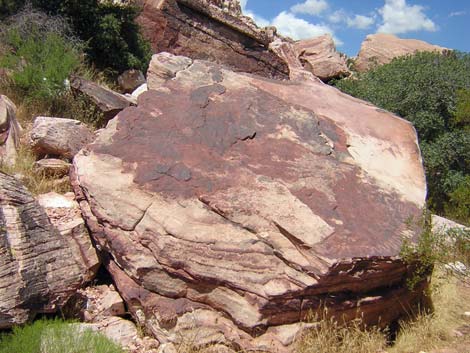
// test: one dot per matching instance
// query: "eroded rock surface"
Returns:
(40, 266)
(319, 56)
(236, 205)
(59, 137)
(211, 30)
(379, 49)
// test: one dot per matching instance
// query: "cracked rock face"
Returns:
(213, 30)
(41, 263)
(237, 205)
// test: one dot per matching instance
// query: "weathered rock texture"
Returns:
(40, 266)
(59, 137)
(319, 56)
(212, 30)
(235, 205)
(10, 131)
(381, 48)
(52, 167)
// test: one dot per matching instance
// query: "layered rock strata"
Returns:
(239, 205)
(211, 30)
(40, 266)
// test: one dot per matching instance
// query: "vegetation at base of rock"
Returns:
(36, 182)
(430, 90)
(55, 336)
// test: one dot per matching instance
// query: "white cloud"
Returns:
(243, 4)
(296, 28)
(399, 17)
(356, 21)
(457, 13)
(360, 21)
(310, 7)
(260, 21)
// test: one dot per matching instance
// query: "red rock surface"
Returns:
(381, 48)
(237, 204)
(212, 30)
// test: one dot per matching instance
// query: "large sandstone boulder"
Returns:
(10, 131)
(212, 30)
(59, 137)
(40, 266)
(319, 56)
(379, 49)
(235, 206)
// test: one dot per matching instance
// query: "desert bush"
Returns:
(114, 41)
(41, 54)
(56, 336)
(431, 90)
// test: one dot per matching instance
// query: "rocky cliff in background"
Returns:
(378, 49)
(235, 205)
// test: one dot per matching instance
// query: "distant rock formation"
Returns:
(319, 56)
(211, 30)
(381, 48)
(42, 264)
(233, 206)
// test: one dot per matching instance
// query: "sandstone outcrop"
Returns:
(379, 49)
(319, 56)
(236, 205)
(10, 131)
(59, 137)
(211, 30)
(40, 266)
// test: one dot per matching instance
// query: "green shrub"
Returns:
(432, 91)
(41, 54)
(114, 40)
(56, 336)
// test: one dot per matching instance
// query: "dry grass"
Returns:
(423, 333)
(436, 330)
(331, 337)
(36, 182)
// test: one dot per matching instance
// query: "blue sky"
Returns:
(442, 22)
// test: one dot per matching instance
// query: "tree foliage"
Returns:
(114, 41)
(432, 91)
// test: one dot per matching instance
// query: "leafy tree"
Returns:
(432, 91)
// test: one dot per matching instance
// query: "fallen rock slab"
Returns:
(10, 131)
(239, 205)
(381, 48)
(40, 266)
(59, 137)
(106, 100)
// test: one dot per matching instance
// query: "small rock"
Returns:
(467, 314)
(52, 167)
(59, 137)
(129, 80)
